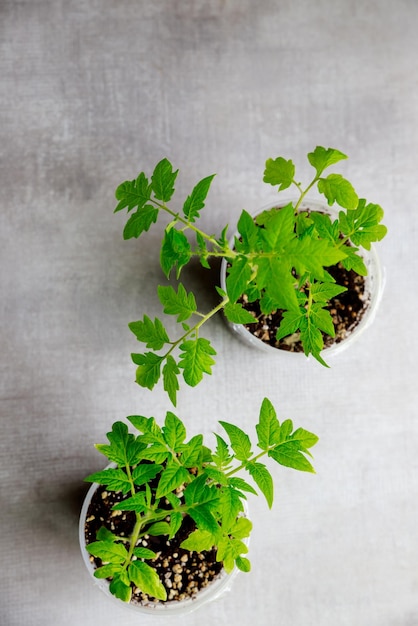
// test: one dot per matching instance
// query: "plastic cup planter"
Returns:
(213, 591)
(373, 291)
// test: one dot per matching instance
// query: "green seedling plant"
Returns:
(150, 469)
(280, 258)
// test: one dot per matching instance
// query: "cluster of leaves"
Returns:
(152, 468)
(280, 259)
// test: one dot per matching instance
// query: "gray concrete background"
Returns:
(90, 94)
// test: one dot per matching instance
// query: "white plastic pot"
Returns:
(214, 590)
(374, 285)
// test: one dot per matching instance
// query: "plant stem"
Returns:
(303, 193)
(196, 327)
(178, 218)
(244, 464)
(133, 539)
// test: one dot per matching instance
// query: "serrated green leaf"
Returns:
(170, 378)
(119, 588)
(279, 172)
(222, 456)
(290, 455)
(156, 452)
(323, 292)
(175, 251)
(163, 179)
(249, 240)
(140, 422)
(267, 304)
(134, 503)
(159, 528)
(198, 541)
(145, 472)
(173, 500)
(192, 452)
(122, 452)
(178, 303)
(148, 426)
(153, 434)
(108, 551)
(108, 452)
(147, 579)
(196, 359)
(118, 438)
(286, 430)
(322, 320)
(152, 333)
(290, 323)
(243, 564)
(140, 222)
(321, 158)
(311, 255)
(174, 431)
(176, 520)
(337, 189)
(305, 438)
(242, 528)
(240, 441)
(242, 485)
(312, 340)
(199, 492)
(325, 228)
(276, 278)
(202, 251)
(363, 226)
(217, 475)
(238, 278)
(103, 534)
(204, 518)
(123, 448)
(367, 236)
(144, 553)
(268, 427)
(133, 193)
(108, 571)
(279, 227)
(235, 313)
(223, 239)
(263, 480)
(148, 371)
(172, 477)
(230, 506)
(354, 261)
(229, 549)
(196, 201)
(114, 479)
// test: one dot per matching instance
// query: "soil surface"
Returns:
(182, 573)
(347, 309)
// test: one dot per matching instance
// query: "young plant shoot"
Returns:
(279, 259)
(163, 478)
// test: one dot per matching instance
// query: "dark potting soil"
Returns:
(182, 573)
(347, 309)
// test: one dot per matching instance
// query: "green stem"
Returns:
(303, 193)
(186, 223)
(133, 539)
(310, 297)
(196, 327)
(243, 465)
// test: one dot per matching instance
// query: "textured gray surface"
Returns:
(92, 92)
